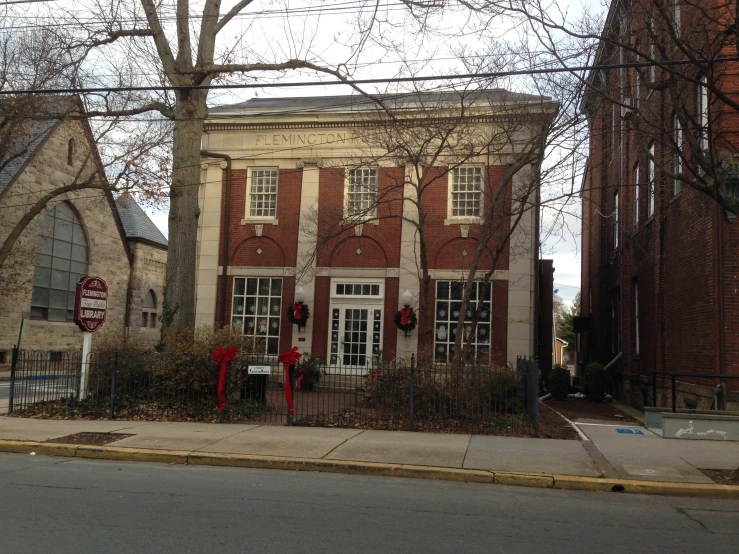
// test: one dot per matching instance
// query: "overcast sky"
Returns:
(326, 35)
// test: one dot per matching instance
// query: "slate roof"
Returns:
(136, 224)
(25, 144)
(350, 103)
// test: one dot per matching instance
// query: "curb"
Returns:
(538, 480)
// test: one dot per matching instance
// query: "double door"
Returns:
(356, 334)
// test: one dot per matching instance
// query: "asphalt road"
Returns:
(71, 505)
(37, 390)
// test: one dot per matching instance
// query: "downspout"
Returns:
(721, 333)
(537, 271)
(225, 221)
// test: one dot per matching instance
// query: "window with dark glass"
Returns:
(149, 313)
(61, 259)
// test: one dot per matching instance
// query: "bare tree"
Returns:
(666, 67)
(417, 140)
(179, 56)
(37, 59)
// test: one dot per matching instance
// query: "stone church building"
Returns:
(83, 232)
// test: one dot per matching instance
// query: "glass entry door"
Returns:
(356, 333)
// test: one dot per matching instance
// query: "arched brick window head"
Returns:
(61, 259)
(149, 311)
(70, 152)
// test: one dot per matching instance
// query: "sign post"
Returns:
(90, 307)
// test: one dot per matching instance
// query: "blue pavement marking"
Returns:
(629, 431)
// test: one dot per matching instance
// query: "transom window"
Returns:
(61, 260)
(356, 289)
(466, 191)
(361, 192)
(448, 306)
(263, 193)
(257, 309)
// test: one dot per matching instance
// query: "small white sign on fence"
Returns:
(260, 370)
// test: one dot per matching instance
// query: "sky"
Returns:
(327, 31)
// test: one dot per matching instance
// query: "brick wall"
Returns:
(379, 245)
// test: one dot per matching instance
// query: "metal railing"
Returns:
(477, 398)
(673, 376)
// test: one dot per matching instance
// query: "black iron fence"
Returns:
(397, 395)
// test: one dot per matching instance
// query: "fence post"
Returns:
(413, 386)
(11, 392)
(112, 383)
(674, 401)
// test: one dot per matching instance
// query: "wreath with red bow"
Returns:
(405, 319)
(298, 314)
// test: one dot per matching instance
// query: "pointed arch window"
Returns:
(61, 259)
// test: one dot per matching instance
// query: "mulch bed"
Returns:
(552, 426)
(721, 476)
(91, 439)
(576, 409)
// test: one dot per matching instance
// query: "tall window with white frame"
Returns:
(676, 18)
(635, 287)
(361, 193)
(256, 310)
(677, 162)
(448, 306)
(263, 193)
(615, 220)
(465, 191)
(636, 196)
(703, 126)
(650, 180)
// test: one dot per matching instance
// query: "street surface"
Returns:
(70, 505)
(35, 390)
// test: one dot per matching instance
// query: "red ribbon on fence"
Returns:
(287, 359)
(405, 315)
(224, 356)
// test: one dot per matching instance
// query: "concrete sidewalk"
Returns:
(620, 452)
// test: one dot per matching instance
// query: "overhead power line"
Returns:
(417, 79)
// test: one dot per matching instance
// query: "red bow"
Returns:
(287, 359)
(405, 314)
(301, 374)
(297, 311)
(224, 356)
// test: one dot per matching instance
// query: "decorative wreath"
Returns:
(406, 319)
(298, 314)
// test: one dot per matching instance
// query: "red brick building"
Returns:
(317, 209)
(659, 267)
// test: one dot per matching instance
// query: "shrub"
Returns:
(559, 382)
(597, 382)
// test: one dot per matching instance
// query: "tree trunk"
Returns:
(179, 292)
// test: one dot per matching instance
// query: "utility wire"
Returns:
(451, 77)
